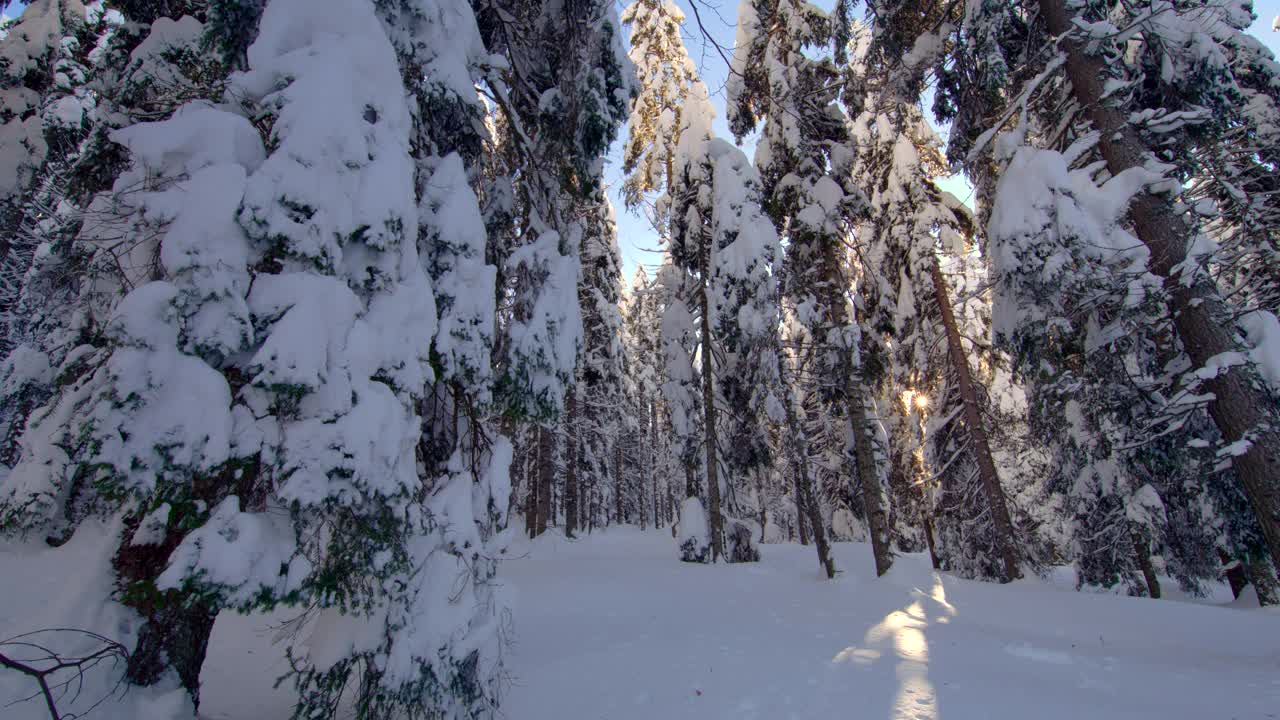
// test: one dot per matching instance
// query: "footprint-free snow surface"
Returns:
(613, 627)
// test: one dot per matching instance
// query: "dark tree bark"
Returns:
(546, 470)
(1240, 407)
(801, 508)
(1142, 553)
(176, 627)
(764, 515)
(591, 503)
(580, 502)
(926, 521)
(571, 465)
(814, 513)
(1263, 579)
(973, 422)
(642, 492)
(531, 478)
(618, 482)
(1234, 573)
(659, 504)
(868, 481)
(848, 398)
(806, 499)
(175, 637)
(709, 419)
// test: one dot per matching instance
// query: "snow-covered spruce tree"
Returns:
(1184, 379)
(442, 57)
(665, 73)
(725, 248)
(574, 456)
(1242, 407)
(666, 77)
(745, 312)
(47, 61)
(138, 72)
(601, 419)
(562, 99)
(1092, 316)
(796, 440)
(1208, 95)
(909, 309)
(46, 110)
(638, 380)
(803, 158)
(1212, 115)
(682, 396)
(690, 245)
(130, 316)
(293, 299)
(344, 313)
(645, 369)
(562, 95)
(825, 439)
(1048, 415)
(1001, 61)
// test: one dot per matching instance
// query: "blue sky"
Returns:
(636, 237)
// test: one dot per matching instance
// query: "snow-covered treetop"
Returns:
(664, 73)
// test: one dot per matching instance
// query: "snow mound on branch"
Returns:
(740, 541)
(695, 533)
(464, 282)
(1046, 218)
(1262, 331)
(243, 554)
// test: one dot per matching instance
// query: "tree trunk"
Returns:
(764, 515)
(617, 479)
(814, 511)
(590, 503)
(1142, 553)
(1263, 578)
(801, 508)
(832, 278)
(926, 521)
(868, 482)
(658, 504)
(173, 636)
(642, 498)
(675, 516)
(176, 627)
(571, 465)
(531, 480)
(546, 469)
(709, 420)
(806, 500)
(1234, 573)
(1240, 406)
(996, 502)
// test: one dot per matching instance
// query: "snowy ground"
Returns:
(613, 628)
(610, 627)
